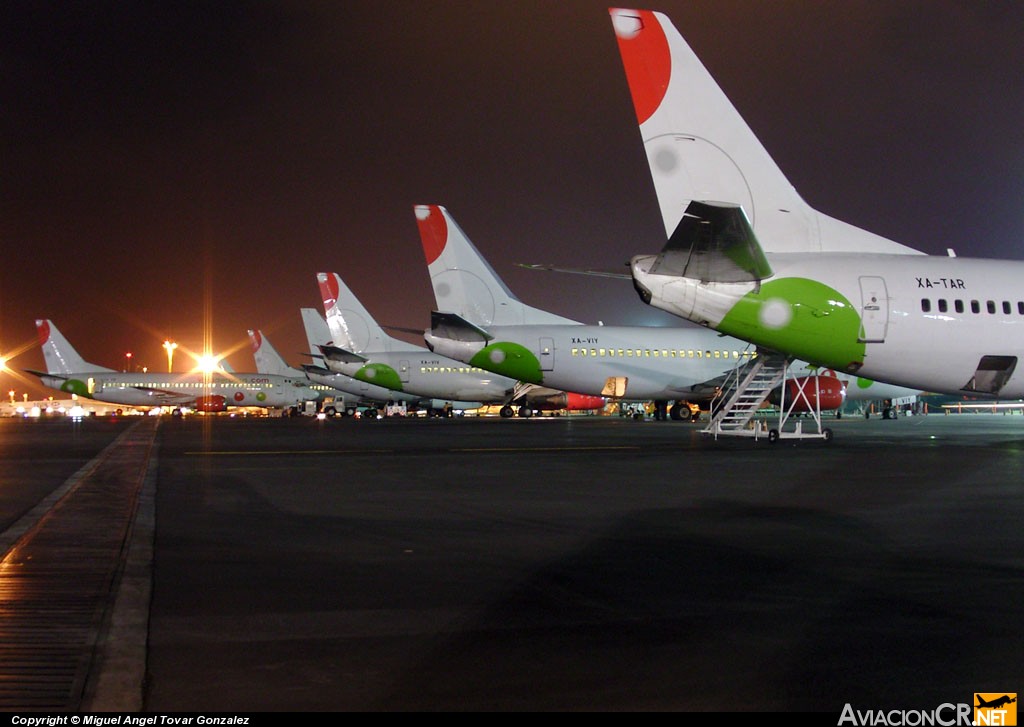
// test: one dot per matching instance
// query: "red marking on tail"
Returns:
(43, 329)
(646, 58)
(433, 230)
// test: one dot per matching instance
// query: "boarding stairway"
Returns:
(743, 393)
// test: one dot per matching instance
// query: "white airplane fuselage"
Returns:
(942, 324)
(670, 364)
(215, 392)
(663, 363)
(426, 375)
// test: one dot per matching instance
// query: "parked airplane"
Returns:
(67, 371)
(269, 361)
(361, 349)
(480, 321)
(748, 257)
(361, 393)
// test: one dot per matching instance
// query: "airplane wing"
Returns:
(579, 271)
(162, 397)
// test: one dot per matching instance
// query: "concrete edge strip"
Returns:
(120, 684)
(10, 537)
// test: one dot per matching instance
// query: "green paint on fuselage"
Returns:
(74, 386)
(381, 375)
(822, 326)
(511, 360)
(864, 383)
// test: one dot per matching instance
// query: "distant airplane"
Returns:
(67, 371)
(360, 348)
(269, 361)
(748, 257)
(480, 321)
(361, 393)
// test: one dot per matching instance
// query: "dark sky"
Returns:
(168, 163)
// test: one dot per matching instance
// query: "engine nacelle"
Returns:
(212, 403)
(564, 400)
(583, 402)
(830, 393)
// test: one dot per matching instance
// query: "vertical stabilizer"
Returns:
(60, 356)
(464, 283)
(700, 148)
(317, 332)
(351, 325)
(268, 360)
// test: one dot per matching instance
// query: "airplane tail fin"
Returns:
(60, 356)
(700, 148)
(268, 360)
(351, 325)
(464, 283)
(317, 332)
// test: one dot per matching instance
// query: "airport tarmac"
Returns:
(575, 564)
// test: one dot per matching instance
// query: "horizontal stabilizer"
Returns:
(414, 331)
(623, 274)
(341, 355)
(714, 242)
(456, 328)
(61, 377)
(314, 369)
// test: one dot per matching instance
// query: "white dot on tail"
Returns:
(775, 314)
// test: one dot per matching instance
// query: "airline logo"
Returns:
(995, 708)
(43, 330)
(328, 290)
(433, 230)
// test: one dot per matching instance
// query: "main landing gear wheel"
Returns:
(773, 436)
(506, 411)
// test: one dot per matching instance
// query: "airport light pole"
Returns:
(170, 346)
(128, 362)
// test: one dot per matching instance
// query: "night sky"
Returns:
(166, 164)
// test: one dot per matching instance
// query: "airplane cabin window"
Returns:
(926, 305)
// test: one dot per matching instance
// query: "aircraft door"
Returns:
(403, 371)
(546, 349)
(874, 312)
